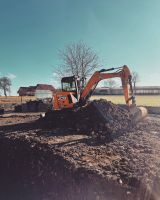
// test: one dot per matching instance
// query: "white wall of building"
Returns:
(42, 94)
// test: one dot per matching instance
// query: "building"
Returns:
(27, 91)
(140, 90)
(148, 90)
(40, 91)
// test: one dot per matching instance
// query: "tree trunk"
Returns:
(134, 87)
(5, 93)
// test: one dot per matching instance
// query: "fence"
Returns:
(16, 99)
(119, 91)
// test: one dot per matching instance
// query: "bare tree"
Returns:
(78, 59)
(110, 83)
(5, 84)
(135, 79)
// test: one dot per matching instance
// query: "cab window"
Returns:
(68, 86)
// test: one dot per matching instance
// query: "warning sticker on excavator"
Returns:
(61, 98)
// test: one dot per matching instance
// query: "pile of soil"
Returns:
(99, 118)
(47, 164)
(1, 111)
(33, 106)
(46, 159)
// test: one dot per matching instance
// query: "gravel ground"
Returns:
(40, 163)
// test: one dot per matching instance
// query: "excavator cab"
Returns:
(69, 84)
(70, 93)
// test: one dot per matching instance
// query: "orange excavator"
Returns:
(74, 94)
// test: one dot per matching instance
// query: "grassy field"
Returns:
(145, 100)
(148, 100)
(15, 99)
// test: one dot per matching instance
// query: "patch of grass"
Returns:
(145, 100)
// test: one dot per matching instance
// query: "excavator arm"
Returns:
(122, 72)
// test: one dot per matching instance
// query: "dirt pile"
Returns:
(62, 165)
(99, 118)
(1, 111)
(38, 171)
(33, 106)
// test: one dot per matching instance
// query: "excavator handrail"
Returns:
(109, 69)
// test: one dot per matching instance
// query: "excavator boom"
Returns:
(123, 73)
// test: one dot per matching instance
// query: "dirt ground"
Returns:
(61, 164)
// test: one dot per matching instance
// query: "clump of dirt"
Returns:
(99, 118)
(1, 111)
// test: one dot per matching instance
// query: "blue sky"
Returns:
(120, 31)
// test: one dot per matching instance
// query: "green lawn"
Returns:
(145, 100)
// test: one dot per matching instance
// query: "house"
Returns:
(40, 91)
(27, 91)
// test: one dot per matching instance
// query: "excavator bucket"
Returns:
(138, 113)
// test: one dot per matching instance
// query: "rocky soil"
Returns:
(18, 118)
(100, 118)
(39, 162)
(33, 106)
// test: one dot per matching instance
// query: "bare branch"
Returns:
(110, 83)
(135, 79)
(78, 59)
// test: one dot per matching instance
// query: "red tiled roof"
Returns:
(23, 88)
(45, 87)
(32, 89)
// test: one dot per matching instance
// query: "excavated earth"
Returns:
(43, 162)
(100, 118)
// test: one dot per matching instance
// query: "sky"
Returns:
(120, 31)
